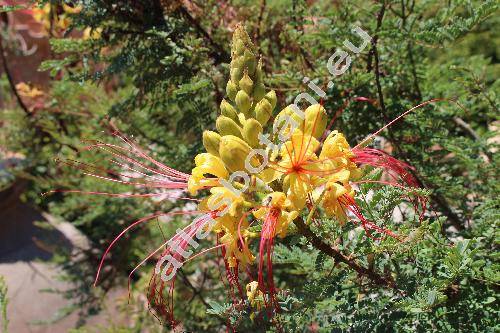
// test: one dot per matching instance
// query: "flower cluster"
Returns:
(310, 168)
(254, 185)
(57, 19)
(50, 19)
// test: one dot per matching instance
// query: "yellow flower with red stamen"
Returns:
(288, 184)
(337, 153)
(236, 247)
(336, 187)
(277, 203)
(297, 168)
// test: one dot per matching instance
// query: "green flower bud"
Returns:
(251, 132)
(228, 110)
(241, 41)
(246, 83)
(258, 73)
(249, 61)
(236, 74)
(243, 101)
(315, 118)
(237, 61)
(231, 90)
(233, 152)
(227, 126)
(271, 97)
(211, 141)
(263, 111)
(259, 92)
(238, 46)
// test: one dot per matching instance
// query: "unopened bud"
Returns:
(233, 152)
(211, 141)
(263, 111)
(258, 72)
(249, 61)
(227, 126)
(243, 101)
(231, 90)
(236, 74)
(241, 41)
(259, 92)
(251, 132)
(228, 110)
(316, 120)
(246, 83)
(237, 61)
(242, 119)
(271, 97)
(239, 47)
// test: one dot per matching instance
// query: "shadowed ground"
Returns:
(24, 248)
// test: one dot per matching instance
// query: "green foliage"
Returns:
(159, 69)
(460, 17)
(10, 8)
(3, 304)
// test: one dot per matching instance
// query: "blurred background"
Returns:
(158, 69)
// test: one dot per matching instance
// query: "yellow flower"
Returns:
(231, 227)
(299, 149)
(206, 164)
(281, 119)
(41, 15)
(26, 91)
(336, 147)
(315, 120)
(254, 295)
(63, 22)
(336, 155)
(72, 10)
(89, 33)
(300, 167)
(276, 205)
(331, 203)
(223, 193)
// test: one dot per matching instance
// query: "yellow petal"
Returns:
(223, 193)
(209, 164)
(297, 193)
(340, 176)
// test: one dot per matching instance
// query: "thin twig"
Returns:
(375, 277)
(438, 199)
(461, 123)
(404, 16)
(469, 130)
(259, 21)
(380, 17)
(218, 52)
(197, 293)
